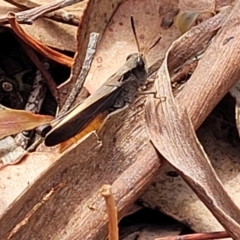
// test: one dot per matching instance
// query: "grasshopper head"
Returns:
(138, 65)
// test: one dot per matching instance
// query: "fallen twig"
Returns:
(106, 192)
(59, 16)
(29, 16)
(93, 39)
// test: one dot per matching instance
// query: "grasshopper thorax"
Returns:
(137, 64)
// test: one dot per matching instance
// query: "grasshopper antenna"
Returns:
(134, 33)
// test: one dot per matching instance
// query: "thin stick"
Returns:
(134, 33)
(106, 192)
(34, 104)
(93, 39)
(29, 16)
(58, 16)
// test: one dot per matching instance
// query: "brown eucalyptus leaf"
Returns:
(172, 134)
(15, 121)
(220, 55)
(173, 196)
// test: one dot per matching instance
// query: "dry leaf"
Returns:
(168, 126)
(173, 196)
(15, 121)
(38, 46)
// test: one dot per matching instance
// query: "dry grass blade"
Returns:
(173, 135)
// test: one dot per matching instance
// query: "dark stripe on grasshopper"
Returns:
(77, 123)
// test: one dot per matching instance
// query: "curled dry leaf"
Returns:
(168, 126)
(15, 121)
(173, 196)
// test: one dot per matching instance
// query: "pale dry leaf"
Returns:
(21, 177)
(118, 40)
(15, 121)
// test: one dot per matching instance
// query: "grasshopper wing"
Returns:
(77, 118)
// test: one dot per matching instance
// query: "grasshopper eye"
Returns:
(7, 87)
(140, 61)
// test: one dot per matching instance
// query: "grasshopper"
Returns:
(117, 92)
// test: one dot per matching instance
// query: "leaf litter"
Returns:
(114, 39)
